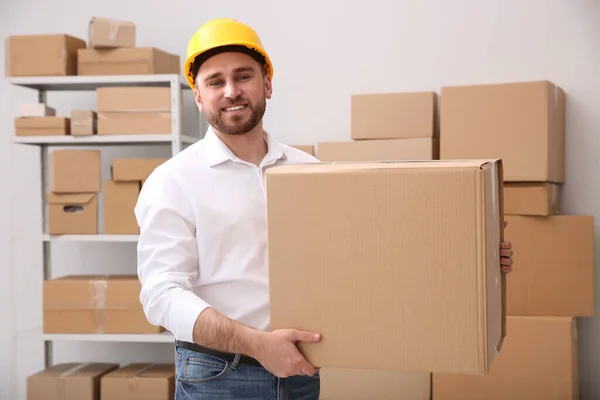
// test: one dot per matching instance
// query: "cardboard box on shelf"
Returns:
(554, 265)
(83, 122)
(134, 169)
(95, 304)
(523, 123)
(394, 115)
(536, 198)
(42, 126)
(361, 384)
(126, 99)
(379, 150)
(110, 33)
(401, 260)
(119, 202)
(35, 110)
(72, 213)
(140, 381)
(68, 381)
(126, 61)
(42, 55)
(75, 171)
(538, 362)
(134, 123)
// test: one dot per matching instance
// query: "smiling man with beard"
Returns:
(202, 250)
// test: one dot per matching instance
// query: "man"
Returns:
(202, 251)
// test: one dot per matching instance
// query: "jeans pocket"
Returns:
(200, 368)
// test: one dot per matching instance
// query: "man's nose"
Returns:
(232, 90)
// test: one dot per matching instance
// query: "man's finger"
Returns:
(306, 336)
(506, 252)
(506, 245)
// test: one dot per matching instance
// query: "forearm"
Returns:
(218, 332)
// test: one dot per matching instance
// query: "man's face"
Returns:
(231, 91)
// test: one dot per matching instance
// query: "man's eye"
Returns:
(243, 77)
(215, 83)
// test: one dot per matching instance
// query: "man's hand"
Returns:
(280, 356)
(506, 254)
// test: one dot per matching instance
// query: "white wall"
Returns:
(323, 52)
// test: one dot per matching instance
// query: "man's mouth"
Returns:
(235, 108)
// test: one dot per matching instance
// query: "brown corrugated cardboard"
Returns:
(394, 115)
(150, 99)
(522, 123)
(72, 213)
(134, 123)
(360, 384)
(134, 169)
(379, 150)
(539, 199)
(538, 362)
(42, 55)
(42, 126)
(140, 381)
(83, 122)
(553, 265)
(75, 171)
(396, 264)
(126, 61)
(36, 110)
(119, 201)
(111, 33)
(68, 381)
(307, 148)
(95, 304)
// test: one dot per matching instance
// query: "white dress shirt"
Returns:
(203, 236)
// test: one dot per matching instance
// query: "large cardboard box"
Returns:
(95, 304)
(140, 381)
(553, 271)
(536, 198)
(75, 171)
(134, 169)
(363, 384)
(68, 381)
(396, 264)
(539, 361)
(394, 115)
(523, 123)
(42, 55)
(379, 150)
(134, 123)
(125, 99)
(119, 203)
(126, 61)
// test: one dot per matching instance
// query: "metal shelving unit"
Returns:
(177, 140)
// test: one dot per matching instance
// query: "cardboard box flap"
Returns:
(70, 199)
(85, 370)
(146, 371)
(118, 55)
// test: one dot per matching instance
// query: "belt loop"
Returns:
(236, 361)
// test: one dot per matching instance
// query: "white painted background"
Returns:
(323, 51)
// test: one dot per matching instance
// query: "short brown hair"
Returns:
(199, 60)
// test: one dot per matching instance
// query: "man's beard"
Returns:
(236, 126)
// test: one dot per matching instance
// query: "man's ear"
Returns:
(198, 100)
(268, 87)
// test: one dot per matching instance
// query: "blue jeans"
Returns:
(200, 376)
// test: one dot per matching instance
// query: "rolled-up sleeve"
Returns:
(167, 255)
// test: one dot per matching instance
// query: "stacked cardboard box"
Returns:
(388, 126)
(552, 283)
(75, 182)
(112, 51)
(122, 191)
(103, 381)
(134, 110)
(86, 304)
(38, 119)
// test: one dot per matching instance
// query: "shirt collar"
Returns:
(217, 152)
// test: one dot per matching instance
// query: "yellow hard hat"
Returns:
(223, 32)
